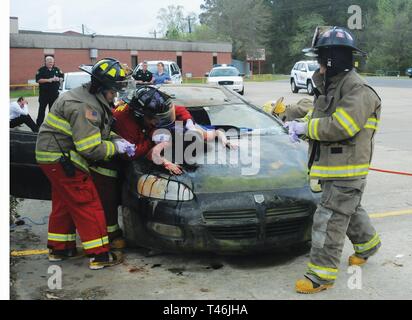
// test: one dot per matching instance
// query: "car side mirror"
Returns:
(207, 74)
(241, 74)
(303, 70)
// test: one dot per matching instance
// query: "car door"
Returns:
(296, 72)
(26, 178)
(303, 72)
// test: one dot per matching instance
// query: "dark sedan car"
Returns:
(222, 203)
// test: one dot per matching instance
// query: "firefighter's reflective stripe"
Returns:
(308, 116)
(339, 171)
(323, 272)
(61, 237)
(52, 157)
(88, 142)
(360, 248)
(346, 121)
(313, 129)
(96, 243)
(111, 229)
(59, 124)
(110, 149)
(372, 123)
(105, 172)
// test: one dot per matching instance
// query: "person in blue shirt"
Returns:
(161, 77)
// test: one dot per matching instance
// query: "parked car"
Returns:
(408, 72)
(226, 75)
(74, 79)
(213, 207)
(301, 76)
(171, 68)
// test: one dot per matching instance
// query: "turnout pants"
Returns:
(108, 188)
(339, 214)
(75, 205)
(44, 101)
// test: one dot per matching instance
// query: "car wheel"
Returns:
(310, 88)
(293, 86)
(131, 226)
(242, 92)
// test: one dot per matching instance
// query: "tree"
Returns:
(172, 21)
(243, 22)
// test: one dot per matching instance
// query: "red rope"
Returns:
(392, 172)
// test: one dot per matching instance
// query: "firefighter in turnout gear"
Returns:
(341, 133)
(74, 143)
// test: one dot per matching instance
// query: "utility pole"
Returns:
(154, 33)
(189, 20)
(82, 28)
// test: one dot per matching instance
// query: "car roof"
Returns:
(157, 61)
(307, 61)
(76, 73)
(200, 95)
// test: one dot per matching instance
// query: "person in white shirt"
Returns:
(19, 114)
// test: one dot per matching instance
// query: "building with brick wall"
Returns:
(71, 49)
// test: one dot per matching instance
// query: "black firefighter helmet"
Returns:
(150, 102)
(326, 37)
(109, 73)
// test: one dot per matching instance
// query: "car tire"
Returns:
(293, 86)
(242, 92)
(131, 227)
(310, 88)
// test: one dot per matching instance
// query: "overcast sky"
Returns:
(106, 17)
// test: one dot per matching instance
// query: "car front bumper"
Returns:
(231, 223)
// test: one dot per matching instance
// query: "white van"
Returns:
(171, 68)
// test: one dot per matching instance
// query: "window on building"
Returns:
(135, 61)
(214, 60)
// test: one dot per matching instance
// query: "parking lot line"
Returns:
(391, 214)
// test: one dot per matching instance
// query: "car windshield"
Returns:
(224, 72)
(313, 66)
(153, 68)
(214, 106)
(240, 116)
(76, 80)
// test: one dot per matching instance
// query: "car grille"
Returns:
(278, 211)
(225, 83)
(243, 224)
(284, 227)
(234, 232)
(230, 216)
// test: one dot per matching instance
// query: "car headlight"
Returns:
(166, 229)
(163, 188)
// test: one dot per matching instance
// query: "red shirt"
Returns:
(127, 127)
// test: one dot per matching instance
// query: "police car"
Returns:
(301, 76)
(226, 75)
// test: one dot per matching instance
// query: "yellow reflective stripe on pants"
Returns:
(88, 142)
(339, 171)
(59, 123)
(323, 272)
(313, 129)
(52, 157)
(346, 121)
(112, 229)
(105, 172)
(110, 149)
(360, 248)
(96, 243)
(372, 123)
(61, 237)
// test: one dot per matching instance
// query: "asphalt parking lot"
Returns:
(388, 198)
